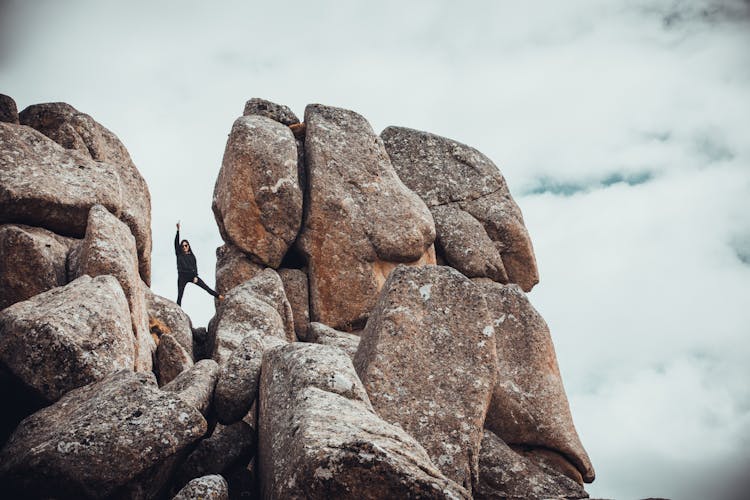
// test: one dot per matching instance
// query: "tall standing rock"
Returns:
(32, 261)
(529, 406)
(296, 290)
(257, 198)
(427, 360)
(446, 173)
(233, 268)
(74, 130)
(68, 336)
(360, 218)
(170, 318)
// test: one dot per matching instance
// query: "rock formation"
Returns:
(344, 363)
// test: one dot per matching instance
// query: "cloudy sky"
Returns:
(622, 127)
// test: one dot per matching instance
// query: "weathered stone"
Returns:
(337, 447)
(550, 460)
(68, 336)
(44, 185)
(322, 334)
(506, 474)
(226, 446)
(237, 386)
(103, 440)
(442, 171)
(295, 288)
(74, 130)
(427, 359)
(358, 215)
(171, 359)
(213, 487)
(32, 261)
(109, 248)
(8, 109)
(466, 245)
(233, 268)
(257, 199)
(171, 319)
(276, 112)
(196, 385)
(529, 405)
(256, 306)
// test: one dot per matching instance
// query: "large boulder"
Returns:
(529, 406)
(276, 112)
(359, 217)
(237, 386)
(166, 316)
(32, 261)
(67, 337)
(233, 268)
(107, 439)
(8, 109)
(77, 131)
(295, 288)
(109, 249)
(171, 359)
(257, 198)
(320, 438)
(196, 385)
(213, 487)
(504, 473)
(451, 175)
(427, 360)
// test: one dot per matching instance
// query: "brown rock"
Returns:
(171, 319)
(213, 487)
(109, 248)
(196, 385)
(171, 359)
(506, 474)
(276, 112)
(358, 215)
(427, 359)
(529, 406)
(233, 268)
(322, 334)
(8, 109)
(32, 261)
(550, 460)
(442, 171)
(257, 198)
(67, 337)
(295, 288)
(337, 447)
(101, 440)
(78, 131)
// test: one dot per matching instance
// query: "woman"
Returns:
(187, 268)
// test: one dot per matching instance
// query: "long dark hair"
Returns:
(190, 247)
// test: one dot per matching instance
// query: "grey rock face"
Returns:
(338, 447)
(100, 440)
(276, 112)
(166, 316)
(506, 474)
(257, 198)
(237, 386)
(427, 359)
(196, 385)
(8, 109)
(213, 487)
(110, 249)
(32, 261)
(74, 130)
(233, 268)
(67, 337)
(322, 334)
(171, 359)
(359, 216)
(444, 172)
(295, 288)
(529, 405)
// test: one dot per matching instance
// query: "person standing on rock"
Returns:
(187, 268)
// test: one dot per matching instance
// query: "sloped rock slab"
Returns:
(196, 385)
(233, 267)
(171, 319)
(322, 334)
(276, 112)
(427, 359)
(171, 359)
(97, 441)
(319, 438)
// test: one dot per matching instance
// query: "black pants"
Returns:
(184, 280)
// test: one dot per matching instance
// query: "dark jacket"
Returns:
(187, 267)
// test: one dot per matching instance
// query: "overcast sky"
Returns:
(622, 127)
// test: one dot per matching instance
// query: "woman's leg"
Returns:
(203, 285)
(180, 289)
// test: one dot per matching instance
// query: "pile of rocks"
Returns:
(344, 361)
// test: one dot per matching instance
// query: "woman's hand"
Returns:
(195, 280)
(178, 225)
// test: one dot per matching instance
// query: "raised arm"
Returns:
(177, 241)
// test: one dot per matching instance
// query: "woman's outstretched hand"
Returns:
(178, 225)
